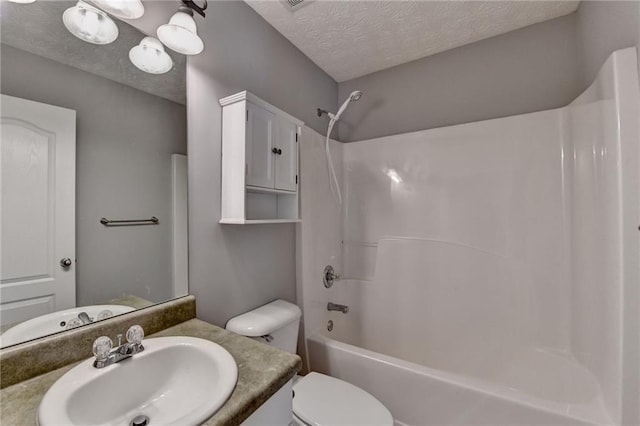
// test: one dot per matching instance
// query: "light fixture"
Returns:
(180, 33)
(22, 1)
(149, 56)
(90, 24)
(127, 9)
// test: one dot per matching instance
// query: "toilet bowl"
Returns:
(318, 399)
(321, 400)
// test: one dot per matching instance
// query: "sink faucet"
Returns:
(84, 317)
(335, 307)
(105, 356)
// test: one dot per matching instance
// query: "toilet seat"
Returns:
(321, 400)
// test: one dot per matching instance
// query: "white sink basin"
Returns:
(51, 323)
(174, 381)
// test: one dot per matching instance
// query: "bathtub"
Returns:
(419, 395)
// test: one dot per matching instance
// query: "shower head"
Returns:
(353, 97)
(333, 180)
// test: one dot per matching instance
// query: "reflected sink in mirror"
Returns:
(175, 380)
(59, 321)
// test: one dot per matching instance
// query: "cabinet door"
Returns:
(259, 155)
(287, 158)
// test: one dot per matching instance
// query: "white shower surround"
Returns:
(486, 260)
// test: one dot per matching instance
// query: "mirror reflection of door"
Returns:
(37, 173)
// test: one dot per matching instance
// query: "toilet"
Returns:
(318, 399)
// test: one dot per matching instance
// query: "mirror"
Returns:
(93, 176)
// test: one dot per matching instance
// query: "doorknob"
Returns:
(65, 263)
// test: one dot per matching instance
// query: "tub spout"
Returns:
(335, 307)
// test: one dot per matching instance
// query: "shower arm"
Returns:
(331, 115)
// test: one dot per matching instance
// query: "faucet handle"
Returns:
(73, 323)
(135, 334)
(102, 347)
(329, 276)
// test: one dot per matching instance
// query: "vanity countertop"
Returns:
(262, 370)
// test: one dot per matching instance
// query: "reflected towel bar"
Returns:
(130, 222)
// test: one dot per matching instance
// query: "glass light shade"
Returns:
(180, 34)
(127, 9)
(90, 24)
(22, 1)
(149, 56)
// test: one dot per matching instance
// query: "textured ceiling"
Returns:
(37, 28)
(348, 38)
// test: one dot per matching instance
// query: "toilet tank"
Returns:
(276, 324)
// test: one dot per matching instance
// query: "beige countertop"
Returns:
(262, 370)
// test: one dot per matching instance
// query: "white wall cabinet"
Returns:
(259, 162)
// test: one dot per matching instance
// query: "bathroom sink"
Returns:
(175, 380)
(56, 322)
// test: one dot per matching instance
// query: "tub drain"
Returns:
(140, 420)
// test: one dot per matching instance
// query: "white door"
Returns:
(287, 156)
(37, 232)
(260, 171)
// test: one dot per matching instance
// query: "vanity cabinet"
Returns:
(259, 162)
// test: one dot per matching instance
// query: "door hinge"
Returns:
(296, 179)
(247, 115)
(246, 169)
(296, 137)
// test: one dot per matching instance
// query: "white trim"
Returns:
(257, 221)
(179, 226)
(250, 97)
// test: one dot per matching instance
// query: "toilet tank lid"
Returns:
(265, 319)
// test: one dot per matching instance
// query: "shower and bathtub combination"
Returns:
(490, 269)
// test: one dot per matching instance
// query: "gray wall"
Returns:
(235, 268)
(535, 68)
(123, 146)
(526, 70)
(603, 27)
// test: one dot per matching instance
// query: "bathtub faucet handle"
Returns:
(330, 276)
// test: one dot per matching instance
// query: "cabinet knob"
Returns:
(276, 151)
